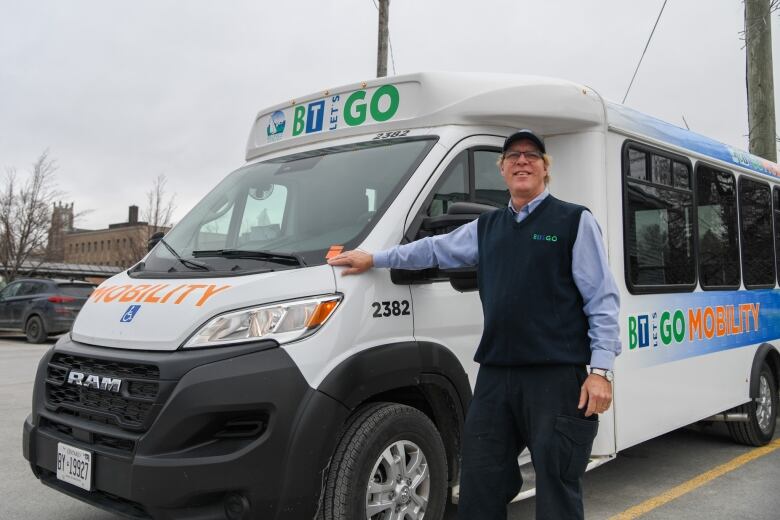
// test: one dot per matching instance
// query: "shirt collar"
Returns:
(531, 205)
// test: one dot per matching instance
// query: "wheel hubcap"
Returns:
(399, 484)
(764, 405)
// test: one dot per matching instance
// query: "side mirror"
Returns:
(458, 213)
(464, 279)
(416, 277)
(153, 240)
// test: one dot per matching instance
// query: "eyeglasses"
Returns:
(529, 156)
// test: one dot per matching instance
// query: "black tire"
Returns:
(34, 330)
(760, 427)
(373, 430)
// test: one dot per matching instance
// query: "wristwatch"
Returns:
(606, 374)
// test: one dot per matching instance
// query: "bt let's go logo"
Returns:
(639, 331)
(381, 105)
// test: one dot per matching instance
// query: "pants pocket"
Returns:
(483, 446)
(575, 437)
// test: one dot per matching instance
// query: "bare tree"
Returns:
(25, 214)
(159, 206)
(156, 217)
(133, 245)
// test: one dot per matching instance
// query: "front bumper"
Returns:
(231, 425)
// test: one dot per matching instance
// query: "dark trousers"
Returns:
(515, 407)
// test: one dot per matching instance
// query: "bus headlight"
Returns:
(283, 322)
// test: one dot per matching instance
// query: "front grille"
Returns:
(129, 408)
(143, 389)
(64, 431)
(129, 412)
(106, 368)
(116, 443)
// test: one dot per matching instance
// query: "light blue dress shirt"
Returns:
(589, 266)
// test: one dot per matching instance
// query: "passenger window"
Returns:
(662, 170)
(11, 290)
(263, 214)
(637, 164)
(453, 187)
(489, 186)
(755, 211)
(28, 289)
(776, 197)
(716, 209)
(659, 227)
(682, 176)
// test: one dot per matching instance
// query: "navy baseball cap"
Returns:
(525, 134)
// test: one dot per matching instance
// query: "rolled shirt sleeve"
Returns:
(599, 291)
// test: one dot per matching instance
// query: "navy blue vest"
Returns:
(532, 307)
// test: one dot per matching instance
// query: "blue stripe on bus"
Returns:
(628, 119)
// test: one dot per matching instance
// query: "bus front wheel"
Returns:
(761, 411)
(390, 463)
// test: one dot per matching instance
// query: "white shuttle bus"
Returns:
(234, 374)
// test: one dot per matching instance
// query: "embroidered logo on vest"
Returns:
(544, 238)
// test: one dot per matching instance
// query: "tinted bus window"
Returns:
(662, 170)
(776, 196)
(489, 186)
(637, 164)
(682, 175)
(454, 188)
(716, 212)
(755, 211)
(659, 223)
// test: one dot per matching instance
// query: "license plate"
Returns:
(74, 466)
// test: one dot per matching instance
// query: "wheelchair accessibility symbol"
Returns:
(130, 313)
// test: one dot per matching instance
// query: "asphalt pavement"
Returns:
(693, 473)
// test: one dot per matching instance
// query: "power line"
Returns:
(644, 51)
(392, 58)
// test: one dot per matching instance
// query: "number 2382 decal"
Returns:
(387, 309)
(390, 135)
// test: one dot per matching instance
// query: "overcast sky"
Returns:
(120, 92)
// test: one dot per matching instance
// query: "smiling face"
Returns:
(524, 175)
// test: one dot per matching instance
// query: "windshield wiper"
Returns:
(187, 263)
(279, 258)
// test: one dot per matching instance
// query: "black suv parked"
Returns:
(41, 307)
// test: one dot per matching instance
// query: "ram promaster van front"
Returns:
(234, 374)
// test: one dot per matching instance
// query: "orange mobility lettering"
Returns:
(149, 293)
(694, 323)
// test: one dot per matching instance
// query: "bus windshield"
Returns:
(287, 212)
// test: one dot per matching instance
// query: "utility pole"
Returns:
(381, 53)
(760, 84)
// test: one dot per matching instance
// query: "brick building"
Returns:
(61, 224)
(121, 245)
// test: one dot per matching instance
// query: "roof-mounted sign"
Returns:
(338, 110)
(424, 100)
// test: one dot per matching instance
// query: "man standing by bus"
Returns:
(550, 305)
